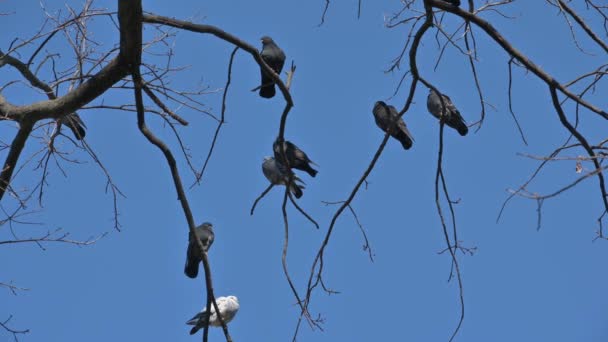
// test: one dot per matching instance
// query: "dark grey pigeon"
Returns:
(296, 158)
(451, 116)
(275, 58)
(75, 123)
(204, 232)
(278, 174)
(385, 116)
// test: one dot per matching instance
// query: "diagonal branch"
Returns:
(222, 118)
(583, 25)
(511, 50)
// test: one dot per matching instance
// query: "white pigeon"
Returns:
(228, 308)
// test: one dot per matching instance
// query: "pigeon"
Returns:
(75, 123)
(228, 308)
(278, 174)
(296, 158)
(275, 58)
(385, 116)
(204, 232)
(451, 117)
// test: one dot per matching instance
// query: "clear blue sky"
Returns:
(521, 285)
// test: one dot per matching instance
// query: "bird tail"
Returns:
(76, 125)
(267, 88)
(312, 172)
(297, 186)
(191, 268)
(461, 127)
(267, 91)
(297, 190)
(405, 141)
(198, 321)
(195, 329)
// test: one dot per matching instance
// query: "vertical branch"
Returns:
(451, 248)
(521, 132)
(141, 123)
(288, 106)
(131, 21)
(581, 139)
(13, 156)
(221, 122)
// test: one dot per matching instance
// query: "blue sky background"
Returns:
(522, 284)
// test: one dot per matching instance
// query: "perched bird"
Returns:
(275, 58)
(296, 158)
(228, 308)
(204, 232)
(75, 123)
(278, 174)
(451, 116)
(385, 116)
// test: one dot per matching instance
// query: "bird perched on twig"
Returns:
(296, 158)
(205, 234)
(228, 308)
(75, 124)
(278, 174)
(385, 117)
(275, 58)
(450, 116)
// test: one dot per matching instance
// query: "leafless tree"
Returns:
(93, 76)
(421, 18)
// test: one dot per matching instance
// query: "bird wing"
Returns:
(299, 154)
(403, 128)
(201, 315)
(452, 110)
(400, 123)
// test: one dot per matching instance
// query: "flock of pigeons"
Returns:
(287, 156)
(441, 107)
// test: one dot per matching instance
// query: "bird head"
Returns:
(266, 40)
(267, 158)
(379, 104)
(207, 225)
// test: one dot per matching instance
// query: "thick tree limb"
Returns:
(13, 156)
